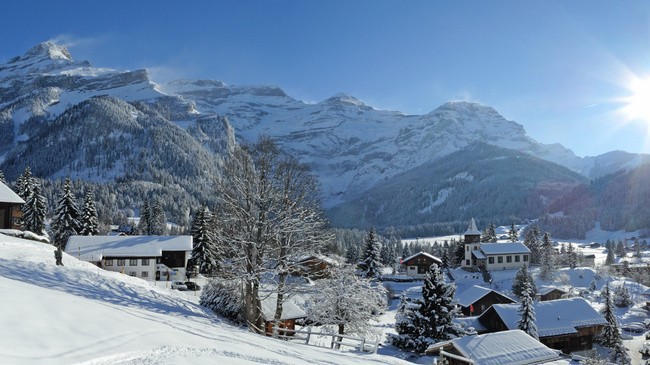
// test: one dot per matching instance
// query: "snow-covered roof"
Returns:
(95, 248)
(470, 322)
(9, 196)
(327, 259)
(543, 290)
(478, 254)
(473, 294)
(289, 309)
(504, 248)
(513, 347)
(424, 254)
(553, 317)
(472, 230)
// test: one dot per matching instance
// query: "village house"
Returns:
(492, 256)
(418, 265)
(565, 324)
(146, 257)
(10, 212)
(290, 313)
(507, 347)
(589, 260)
(314, 266)
(545, 293)
(478, 299)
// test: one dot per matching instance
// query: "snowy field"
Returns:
(79, 314)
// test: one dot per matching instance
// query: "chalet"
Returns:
(492, 256)
(507, 347)
(417, 265)
(565, 324)
(146, 257)
(550, 293)
(589, 260)
(314, 266)
(10, 212)
(290, 313)
(478, 299)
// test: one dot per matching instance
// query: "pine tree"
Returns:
(204, 252)
(513, 233)
(158, 223)
(406, 325)
(438, 310)
(34, 211)
(406, 251)
(610, 253)
(489, 233)
(523, 279)
(352, 254)
(527, 312)
(547, 269)
(24, 184)
(2, 178)
(144, 225)
(610, 336)
(89, 220)
(619, 356)
(620, 249)
(532, 241)
(371, 257)
(66, 217)
(572, 257)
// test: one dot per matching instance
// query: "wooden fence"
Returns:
(337, 341)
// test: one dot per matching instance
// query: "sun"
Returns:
(637, 105)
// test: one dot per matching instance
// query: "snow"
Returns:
(289, 309)
(555, 317)
(81, 314)
(507, 347)
(8, 196)
(472, 294)
(503, 248)
(95, 248)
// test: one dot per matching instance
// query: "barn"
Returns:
(10, 204)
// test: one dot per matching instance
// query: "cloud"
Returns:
(163, 74)
(72, 41)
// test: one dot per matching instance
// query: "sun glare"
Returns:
(637, 105)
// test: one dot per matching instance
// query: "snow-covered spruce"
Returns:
(523, 278)
(66, 217)
(621, 297)
(371, 264)
(34, 211)
(89, 220)
(610, 336)
(527, 312)
(203, 253)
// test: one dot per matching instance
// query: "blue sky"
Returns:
(560, 68)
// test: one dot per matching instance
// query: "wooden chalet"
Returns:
(564, 324)
(314, 266)
(550, 293)
(478, 299)
(418, 265)
(290, 313)
(507, 347)
(10, 212)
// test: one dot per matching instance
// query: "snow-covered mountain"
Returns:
(47, 96)
(352, 146)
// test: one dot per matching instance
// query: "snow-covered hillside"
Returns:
(84, 315)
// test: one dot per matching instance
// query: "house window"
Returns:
(490, 260)
(133, 262)
(132, 273)
(517, 258)
(508, 258)
(145, 274)
(500, 259)
(120, 262)
(466, 262)
(475, 247)
(145, 262)
(525, 258)
(467, 248)
(108, 262)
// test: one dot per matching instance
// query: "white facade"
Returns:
(141, 267)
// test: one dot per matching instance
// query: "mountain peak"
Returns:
(49, 50)
(343, 98)
(466, 106)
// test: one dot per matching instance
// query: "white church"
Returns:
(492, 256)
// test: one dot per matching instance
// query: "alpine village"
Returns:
(225, 224)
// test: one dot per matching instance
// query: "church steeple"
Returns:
(472, 235)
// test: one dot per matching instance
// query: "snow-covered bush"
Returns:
(224, 298)
(621, 297)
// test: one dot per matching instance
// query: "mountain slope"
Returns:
(488, 183)
(82, 314)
